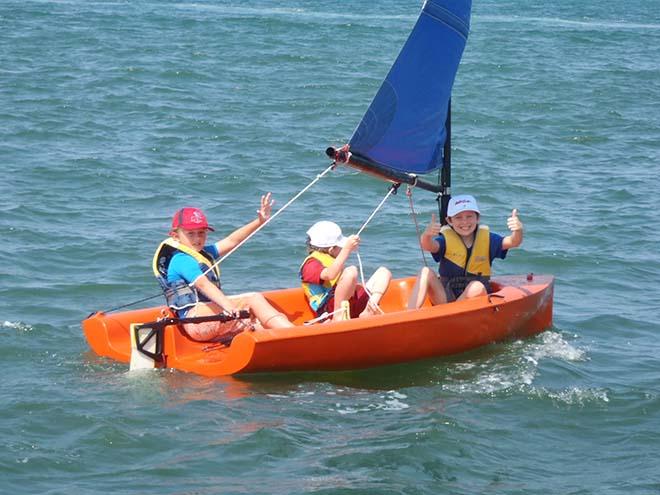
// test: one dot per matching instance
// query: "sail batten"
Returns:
(404, 127)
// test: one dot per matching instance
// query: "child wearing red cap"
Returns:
(465, 251)
(185, 265)
(327, 284)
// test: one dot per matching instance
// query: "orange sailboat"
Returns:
(519, 307)
(404, 134)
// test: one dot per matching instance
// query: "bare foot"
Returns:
(372, 309)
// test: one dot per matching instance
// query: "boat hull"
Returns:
(520, 307)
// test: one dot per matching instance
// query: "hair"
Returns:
(311, 247)
(476, 212)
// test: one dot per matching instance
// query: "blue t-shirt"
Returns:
(184, 267)
(450, 270)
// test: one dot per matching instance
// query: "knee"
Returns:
(475, 289)
(384, 273)
(425, 275)
(255, 300)
(350, 273)
(424, 272)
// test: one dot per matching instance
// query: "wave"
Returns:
(298, 12)
(586, 24)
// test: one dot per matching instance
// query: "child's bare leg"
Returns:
(473, 289)
(209, 330)
(420, 288)
(265, 313)
(427, 283)
(203, 331)
(377, 286)
(344, 289)
(436, 291)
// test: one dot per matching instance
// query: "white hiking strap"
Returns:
(318, 177)
(323, 316)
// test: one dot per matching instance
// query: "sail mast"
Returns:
(445, 172)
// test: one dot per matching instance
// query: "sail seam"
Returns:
(447, 17)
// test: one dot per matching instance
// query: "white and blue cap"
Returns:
(325, 234)
(462, 202)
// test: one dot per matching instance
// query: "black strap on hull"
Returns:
(157, 327)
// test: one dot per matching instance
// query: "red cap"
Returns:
(190, 219)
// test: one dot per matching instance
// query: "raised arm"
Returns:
(232, 240)
(516, 227)
(329, 273)
(432, 231)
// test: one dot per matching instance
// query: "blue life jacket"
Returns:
(180, 295)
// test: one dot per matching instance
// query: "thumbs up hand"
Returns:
(433, 228)
(513, 222)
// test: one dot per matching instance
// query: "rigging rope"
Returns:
(130, 304)
(409, 193)
(318, 177)
(392, 190)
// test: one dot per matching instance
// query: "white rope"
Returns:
(324, 316)
(364, 286)
(318, 177)
(391, 190)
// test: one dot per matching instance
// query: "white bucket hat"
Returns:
(326, 234)
(462, 202)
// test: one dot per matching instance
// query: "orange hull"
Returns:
(520, 308)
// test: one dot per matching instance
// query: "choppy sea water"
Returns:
(114, 114)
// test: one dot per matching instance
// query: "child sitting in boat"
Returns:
(329, 285)
(465, 251)
(185, 265)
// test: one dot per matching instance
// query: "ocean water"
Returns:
(114, 114)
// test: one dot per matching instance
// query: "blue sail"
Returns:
(404, 127)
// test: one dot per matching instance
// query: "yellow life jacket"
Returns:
(179, 295)
(457, 253)
(318, 294)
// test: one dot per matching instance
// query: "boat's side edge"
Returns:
(525, 310)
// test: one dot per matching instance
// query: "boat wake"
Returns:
(347, 400)
(389, 401)
(516, 370)
(575, 395)
(552, 345)
(17, 325)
